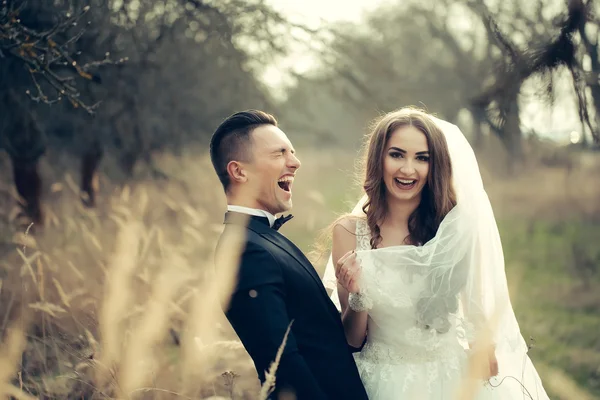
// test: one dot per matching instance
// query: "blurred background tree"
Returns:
(143, 76)
(455, 55)
(171, 71)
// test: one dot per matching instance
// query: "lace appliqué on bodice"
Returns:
(363, 236)
(377, 287)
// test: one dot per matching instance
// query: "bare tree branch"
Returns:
(45, 51)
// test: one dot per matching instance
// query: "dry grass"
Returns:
(122, 301)
(122, 294)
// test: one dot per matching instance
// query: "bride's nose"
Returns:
(407, 168)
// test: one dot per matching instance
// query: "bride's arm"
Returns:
(355, 323)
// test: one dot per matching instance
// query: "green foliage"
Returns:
(554, 267)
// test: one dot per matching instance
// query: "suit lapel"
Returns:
(284, 244)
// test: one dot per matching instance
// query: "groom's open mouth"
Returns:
(405, 184)
(285, 183)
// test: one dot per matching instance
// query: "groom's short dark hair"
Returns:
(232, 141)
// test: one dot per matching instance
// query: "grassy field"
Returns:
(107, 302)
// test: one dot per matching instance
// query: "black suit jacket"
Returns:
(277, 285)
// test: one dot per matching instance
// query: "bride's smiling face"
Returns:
(407, 159)
(406, 163)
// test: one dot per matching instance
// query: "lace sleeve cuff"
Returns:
(359, 302)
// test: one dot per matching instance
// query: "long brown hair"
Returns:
(437, 198)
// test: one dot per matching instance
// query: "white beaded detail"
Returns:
(379, 353)
(378, 363)
(359, 302)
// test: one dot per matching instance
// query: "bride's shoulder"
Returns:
(344, 235)
(349, 221)
(348, 225)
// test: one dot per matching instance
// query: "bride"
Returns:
(419, 273)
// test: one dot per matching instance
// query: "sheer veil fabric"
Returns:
(463, 286)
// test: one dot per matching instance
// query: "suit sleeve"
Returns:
(257, 312)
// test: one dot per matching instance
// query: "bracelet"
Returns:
(359, 302)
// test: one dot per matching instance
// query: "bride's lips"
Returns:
(405, 184)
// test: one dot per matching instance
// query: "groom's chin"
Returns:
(287, 206)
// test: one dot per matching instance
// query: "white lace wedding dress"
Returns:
(404, 360)
(426, 303)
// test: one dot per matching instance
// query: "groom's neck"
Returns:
(244, 201)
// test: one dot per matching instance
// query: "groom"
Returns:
(277, 285)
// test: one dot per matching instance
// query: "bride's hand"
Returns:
(493, 362)
(486, 363)
(347, 272)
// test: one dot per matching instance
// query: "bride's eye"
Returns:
(395, 154)
(423, 158)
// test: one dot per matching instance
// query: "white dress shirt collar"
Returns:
(252, 211)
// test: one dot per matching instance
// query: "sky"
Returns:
(329, 10)
(554, 122)
(312, 13)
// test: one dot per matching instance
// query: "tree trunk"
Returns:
(128, 161)
(511, 135)
(479, 123)
(89, 174)
(592, 78)
(29, 186)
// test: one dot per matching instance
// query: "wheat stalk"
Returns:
(117, 299)
(10, 357)
(269, 384)
(152, 327)
(209, 299)
(15, 392)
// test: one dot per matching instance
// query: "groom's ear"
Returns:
(237, 172)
